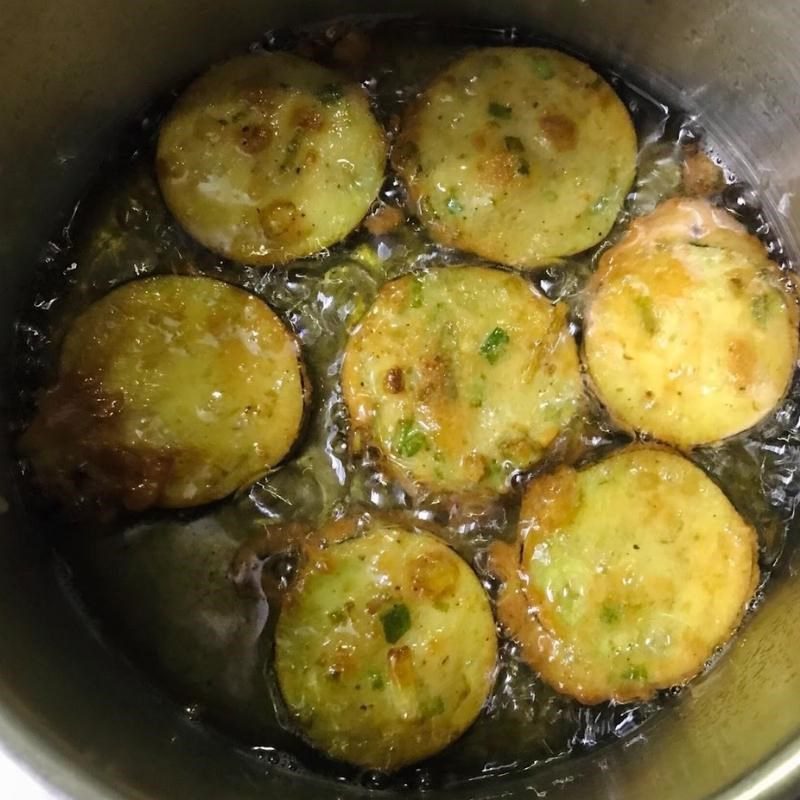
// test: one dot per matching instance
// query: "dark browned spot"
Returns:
(259, 95)
(78, 446)
(560, 131)
(474, 467)
(254, 138)
(701, 176)
(401, 667)
(311, 158)
(736, 285)
(436, 378)
(394, 380)
(280, 220)
(383, 220)
(499, 169)
(742, 361)
(479, 141)
(435, 575)
(308, 119)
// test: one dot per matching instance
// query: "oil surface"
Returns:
(161, 586)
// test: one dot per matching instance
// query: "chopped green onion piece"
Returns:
(432, 707)
(514, 144)
(609, 614)
(396, 622)
(635, 672)
(494, 344)
(376, 680)
(408, 439)
(543, 69)
(648, 316)
(416, 292)
(500, 110)
(761, 307)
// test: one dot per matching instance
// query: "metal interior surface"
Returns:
(75, 712)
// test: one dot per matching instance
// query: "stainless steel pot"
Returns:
(84, 720)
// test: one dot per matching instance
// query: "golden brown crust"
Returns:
(459, 376)
(626, 575)
(690, 330)
(269, 157)
(701, 176)
(370, 653)
(521, 155)
(172, 392)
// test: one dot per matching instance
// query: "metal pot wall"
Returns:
(84, 720)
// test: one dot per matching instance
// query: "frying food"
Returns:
(626, 575)
(460, 376)
(172, 392)
(519, 154)
(270, 157)
(325, 597)
(385, 648)
(690, 334)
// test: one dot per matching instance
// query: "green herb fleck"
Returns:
(331, 93)
(408, 439)
(453, 206)
(476, 394)
(416, 292)
(609, 614)
(648, 316)
(376, 680)
(337, 616)
(635, 672)
(524, 168)
(761, 307)
(514, 144)
(495, 473)
(500, 110)
(543, 68)
(292, 148)
(494, 344)
(549, 195)
(432, 707)
(396, 622)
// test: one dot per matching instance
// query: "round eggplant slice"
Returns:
(269, 158)
(690, 334)
(460, 376)
(385, 649)
(626, 575)
(519, 154)
(172, 392)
